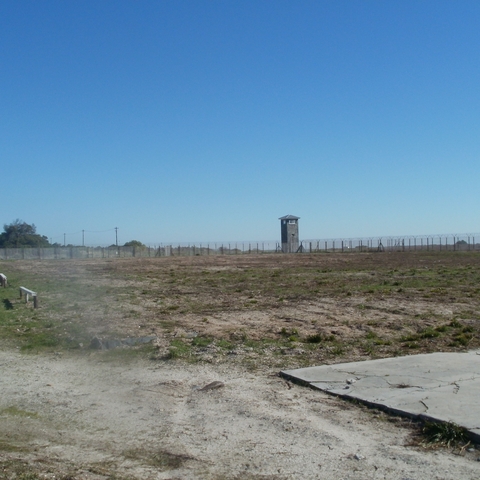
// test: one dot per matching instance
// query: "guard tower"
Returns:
(289, 228)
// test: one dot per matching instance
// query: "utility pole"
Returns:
(83, 238)
(64, 236)
(116, 236)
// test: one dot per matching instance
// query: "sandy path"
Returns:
(84, 418)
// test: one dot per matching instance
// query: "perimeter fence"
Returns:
(452, 242)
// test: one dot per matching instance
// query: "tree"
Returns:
(134, 243)
(21, 234)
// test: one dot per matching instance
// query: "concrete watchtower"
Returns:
(289, 228)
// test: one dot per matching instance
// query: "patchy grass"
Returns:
(17, 412)
(50, 327)
(262, 311)
(179, 349)
(280, 310)
(201, 341)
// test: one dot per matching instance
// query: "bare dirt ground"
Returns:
(90, 419)
(69, 411)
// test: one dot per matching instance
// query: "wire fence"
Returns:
(451, 242)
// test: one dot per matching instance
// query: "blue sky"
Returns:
(197, 121)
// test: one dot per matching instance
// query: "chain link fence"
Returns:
(451, 242)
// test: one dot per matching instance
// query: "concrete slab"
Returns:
(436, 386)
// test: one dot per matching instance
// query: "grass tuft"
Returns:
(444, 434)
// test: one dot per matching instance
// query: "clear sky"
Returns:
(202, 120)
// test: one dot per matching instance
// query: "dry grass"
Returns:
(270, 310)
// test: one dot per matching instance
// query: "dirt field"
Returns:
(70, 409)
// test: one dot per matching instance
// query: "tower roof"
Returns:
(289, 217)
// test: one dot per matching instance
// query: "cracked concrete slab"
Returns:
(436, 386)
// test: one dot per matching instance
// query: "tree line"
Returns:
(19, 234)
